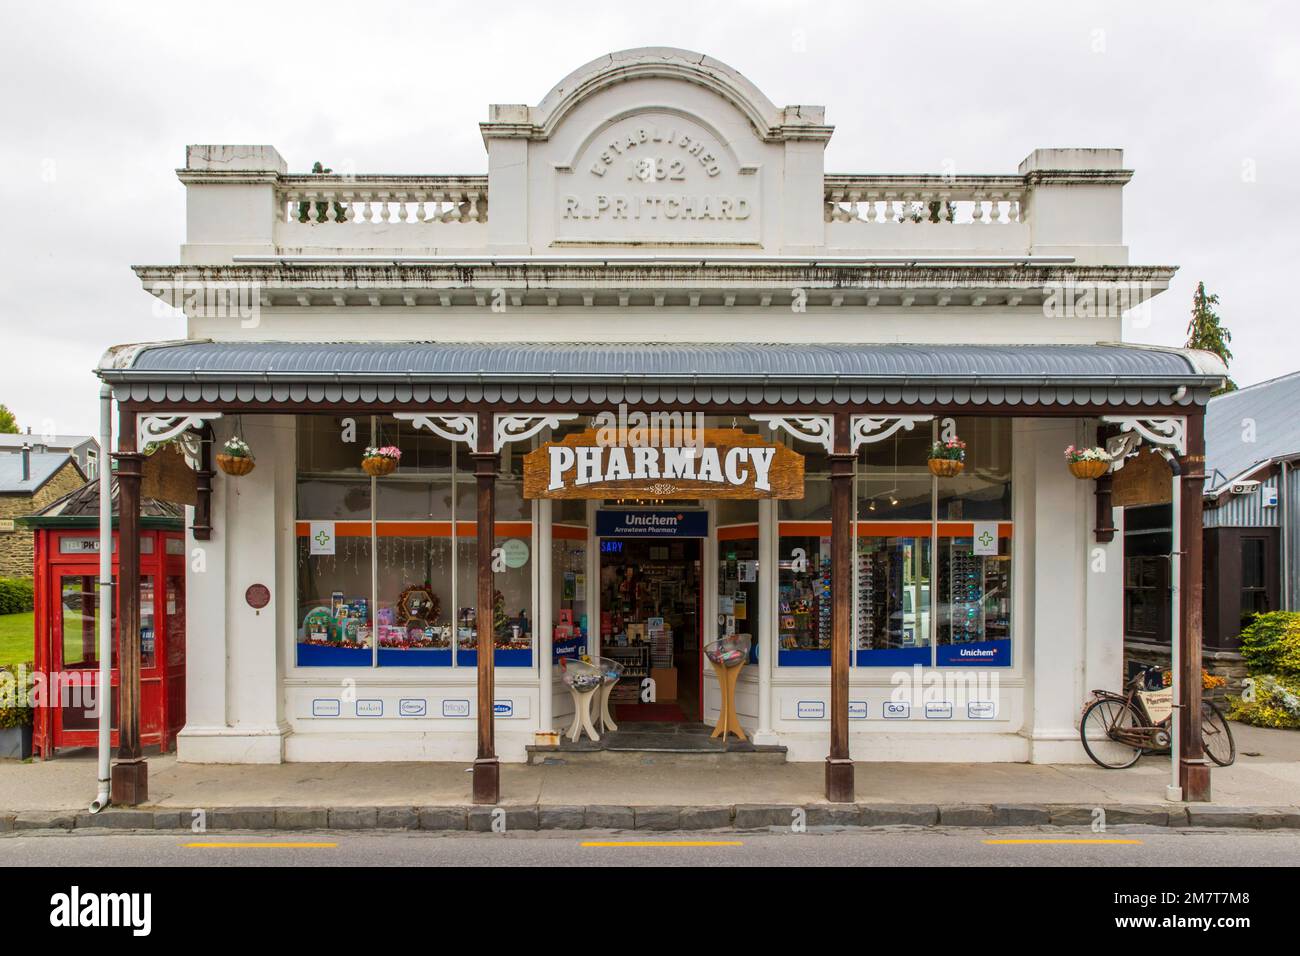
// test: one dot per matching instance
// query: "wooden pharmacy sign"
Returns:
(710, 463)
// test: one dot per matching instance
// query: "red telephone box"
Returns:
(67, 624)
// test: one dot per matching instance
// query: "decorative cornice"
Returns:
(453, 426)
(817, 429)
(1162, 432)
(611, 281)
(513, 428)
(869, 429)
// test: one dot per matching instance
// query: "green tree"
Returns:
(8, 424)
(322, 209)
(1207, 332)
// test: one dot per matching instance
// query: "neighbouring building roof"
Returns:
(580, 371)
(81, 508)
(14, 442)
(1250, 427)
(43, 467)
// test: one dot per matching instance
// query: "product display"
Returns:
(893, 593)
(728, 657)
(584, 679)
(804, 595)
(975, 593)
(345, 623)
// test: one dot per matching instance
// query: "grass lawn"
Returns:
(17, 638)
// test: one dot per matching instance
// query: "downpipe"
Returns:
(1174, 789)
(104, 700)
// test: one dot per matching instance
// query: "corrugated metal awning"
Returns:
(718, 373)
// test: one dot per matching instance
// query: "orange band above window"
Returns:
(889, 529)
(421, 529)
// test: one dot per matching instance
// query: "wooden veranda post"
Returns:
(129, 778)
(839, 766)
(1193, 770)
(487, 771)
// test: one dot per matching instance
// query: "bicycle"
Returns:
(1117, 729)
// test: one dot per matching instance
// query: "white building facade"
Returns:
(655, 236)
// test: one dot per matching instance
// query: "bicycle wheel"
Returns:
(1216, 735)
(1103, 715)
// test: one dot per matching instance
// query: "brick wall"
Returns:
(17, 547)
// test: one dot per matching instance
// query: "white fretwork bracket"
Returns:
(817, 429)
(512, 428)
(869, 429)
(458, 426)
(1168, 433)
(156, 428)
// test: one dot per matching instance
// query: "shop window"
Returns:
(804, 600)
(334, 596)
(331, 484)
(569, 578)
(894, 481)
(1254, 578)
(739, 609)
(1146, 597)
(413, 605)
(815, 505)
(898, 605)
(893, 600)
(393, 579)
(982, 492)
(974, 602)
(512, 612)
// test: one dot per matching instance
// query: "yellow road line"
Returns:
(602, 843)
(248, 846)
(1056, 842)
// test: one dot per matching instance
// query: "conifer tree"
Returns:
(1207, 332)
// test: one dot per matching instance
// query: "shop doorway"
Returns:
(651, 593)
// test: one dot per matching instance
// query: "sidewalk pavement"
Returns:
(361, 794)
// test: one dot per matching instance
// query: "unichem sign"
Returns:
(728, 463)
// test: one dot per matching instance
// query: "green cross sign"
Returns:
(322, 538)
(986, 539)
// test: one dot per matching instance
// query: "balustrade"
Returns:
(390, 200)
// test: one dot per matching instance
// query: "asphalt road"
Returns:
(1139, 847)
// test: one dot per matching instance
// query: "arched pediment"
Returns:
(769, 122)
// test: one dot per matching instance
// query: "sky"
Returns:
(99, 100)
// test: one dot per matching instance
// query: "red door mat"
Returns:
(649, 712)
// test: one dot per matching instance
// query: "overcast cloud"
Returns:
(100, 100)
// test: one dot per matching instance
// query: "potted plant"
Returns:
(1087, 462)
(15, 714)
(947, 458)
(381, 461)
(235, 457)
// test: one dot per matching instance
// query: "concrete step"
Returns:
(666, 755)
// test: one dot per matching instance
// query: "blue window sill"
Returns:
(503, 657)
(894, 657)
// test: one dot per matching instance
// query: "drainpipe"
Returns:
(105, 609)
(1174, 790)
(543, 638)
(1284, 522)
(768, 643)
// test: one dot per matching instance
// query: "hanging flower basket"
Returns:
(235, 457)
(378, 462)
(947, 458)
(1087, 463)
